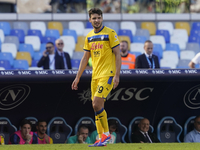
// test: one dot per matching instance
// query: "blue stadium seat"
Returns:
(139, 39)
(19, 33)
(6, 129)
(136, 53)
(26, 48)
(88, 25)
(70, 32)
(126, 32)
(112, 24)
(189, 125)
(21, 25)
(33, 121)
(157, 54)
(121, 130)
(36, 33)
(37, 55)
(42, 47)
(194, 39)
(5, 64)
(173, 47)
(58, 130)
(34, 63)
(75, 63)
(5, 26)
(158, 48)
(52, 33)
(7, 56)
(196, 26)
(164, 33)
(195, 32)
(48, 39)
(87, 121)
(143, 32)
(168, 130)
(21, 64)
(133, 125)
(193, 46)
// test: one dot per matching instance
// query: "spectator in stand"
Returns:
(24, 135)
(43, 138)
(126, 57)
(50, 59)
(194, 136)
(64, 55)
(147, 60)
(112, 129)
(81, 137)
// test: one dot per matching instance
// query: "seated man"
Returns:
(24, 135)
(194, 136)
(1, 140)
(81, 137)
(141, 135)
(112, 128)
(43, 138)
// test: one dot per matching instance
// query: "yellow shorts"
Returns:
(101, 87)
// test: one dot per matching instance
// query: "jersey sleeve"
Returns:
(196, 59)
(113, 38)
(86, 45)
(14, 139)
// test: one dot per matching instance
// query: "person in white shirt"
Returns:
(194, 61)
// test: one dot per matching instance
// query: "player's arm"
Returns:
(191, 64)
(116, 51)
(82, 66)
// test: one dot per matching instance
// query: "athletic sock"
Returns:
(102, 116)
(98, 126)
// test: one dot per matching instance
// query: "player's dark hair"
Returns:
(50, 43)
(25, 121)
(112, 122)
(39, 121)
(95, 11)
(82, 126)
(124, 41)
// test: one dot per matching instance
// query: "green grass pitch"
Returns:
(129, 146)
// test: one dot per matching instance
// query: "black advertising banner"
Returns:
(153, 94)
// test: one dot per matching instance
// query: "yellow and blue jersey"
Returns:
(100, 45)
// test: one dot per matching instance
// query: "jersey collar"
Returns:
(99, 30)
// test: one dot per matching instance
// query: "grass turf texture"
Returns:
(136, 146)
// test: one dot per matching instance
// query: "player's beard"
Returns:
(98, 26)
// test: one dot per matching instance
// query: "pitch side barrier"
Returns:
(153, 94)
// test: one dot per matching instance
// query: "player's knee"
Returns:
(96, 107)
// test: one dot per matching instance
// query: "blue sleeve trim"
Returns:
(86, 50)
(115, 46)
(110, 80)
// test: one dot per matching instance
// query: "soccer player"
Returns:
(102, 45)
(43, 138)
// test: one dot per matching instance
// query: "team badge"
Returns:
(102, 37)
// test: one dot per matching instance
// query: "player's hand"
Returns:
(115, 81)
(46, 137)
(75, 84)
(44, 53)
(80, 139)
(28, 137)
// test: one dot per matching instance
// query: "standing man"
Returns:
(127, 58)
(142, 135)
(50, 60)
(43, 138)
(147, 60)
(103, 45)
(64, 55)
(194, 135)
(24, 135)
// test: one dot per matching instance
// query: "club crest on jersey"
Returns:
(102, 37)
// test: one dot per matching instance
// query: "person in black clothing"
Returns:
(64, 55)
(147, 60)
(51, 59)
(142, 134)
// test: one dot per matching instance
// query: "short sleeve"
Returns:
(86, 45)
(14, 139)
(113, 38)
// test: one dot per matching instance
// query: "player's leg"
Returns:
(104, 87)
